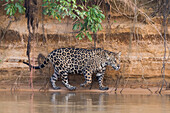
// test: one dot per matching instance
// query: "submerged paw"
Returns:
(56, 88)
(103, 88)
(72, 88)
(82, 85)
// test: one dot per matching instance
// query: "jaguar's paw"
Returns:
(82, 85)
(72, 88)
(103, 88)
(56, 88)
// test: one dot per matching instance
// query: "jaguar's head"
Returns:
(113, 59)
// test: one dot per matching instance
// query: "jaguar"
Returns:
(80, 61)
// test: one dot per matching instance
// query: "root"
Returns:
(45, 88)
(16, 85)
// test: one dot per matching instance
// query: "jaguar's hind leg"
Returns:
(53, 79)
(88, 79)
(100, 80)
(65, 81)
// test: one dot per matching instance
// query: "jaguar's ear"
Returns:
(107, 55)
(119, 54)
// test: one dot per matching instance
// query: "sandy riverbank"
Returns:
(111, 90)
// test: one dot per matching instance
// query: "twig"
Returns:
(45, 87)
(95, 39)
(42, 19)
(16, 84)
(120, 11)
(164, 58)
(5, 4)
(146, 3)
(100, 3)
(83, 5)
(149, 89)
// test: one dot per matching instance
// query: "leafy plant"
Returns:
(87, 21)
(92, 23)
(61, 8)
(11, 7)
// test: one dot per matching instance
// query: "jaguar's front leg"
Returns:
(88, 79)
(65, 82)
(100, 80)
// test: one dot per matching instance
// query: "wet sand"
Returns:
(152, 90)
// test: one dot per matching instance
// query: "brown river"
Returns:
(38, 102)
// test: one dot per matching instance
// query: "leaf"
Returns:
(81, 7)
(10, 13)
(94, 11)
(21, 0)
(74, 6)
(100, 26)
(74, 1)
(83, 36)
(82, 15)
(89, 36)
(93, 29)
(45, 11)
(103, 16)
(78, 35)
(8, 6)
(75, 26)
(56, 17)
(73, 16)
(20, 8)
(53, 13)
(7, 12)
(80, 38)
(45, 4)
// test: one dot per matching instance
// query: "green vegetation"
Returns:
(92, 22)
(11, 7)
(61, 8)
(87, 20)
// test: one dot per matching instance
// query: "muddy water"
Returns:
(26, 102)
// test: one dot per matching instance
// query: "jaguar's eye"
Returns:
(115, 60)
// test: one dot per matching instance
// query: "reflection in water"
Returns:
(73, 102)
(27, 102)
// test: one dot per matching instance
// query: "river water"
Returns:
(38, 102)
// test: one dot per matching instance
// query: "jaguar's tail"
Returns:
(40, 66)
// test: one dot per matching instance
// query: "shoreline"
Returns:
(129, 91)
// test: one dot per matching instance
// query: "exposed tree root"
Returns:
(16, 85)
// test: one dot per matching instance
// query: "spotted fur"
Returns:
(81, 61)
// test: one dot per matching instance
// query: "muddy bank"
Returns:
(124, 91)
